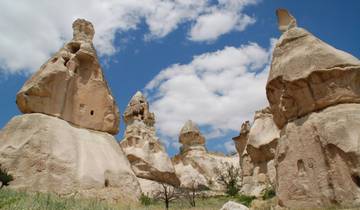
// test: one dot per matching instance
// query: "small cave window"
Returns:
(356, 179)
(92, 112)
(54, 60)
(106, 183)
(66, 60)
(74, 47)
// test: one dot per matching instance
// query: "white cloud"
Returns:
(230, 146)
(32, 30)
(218, 90)
(221, 19)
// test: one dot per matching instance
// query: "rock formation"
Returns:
(308, 75)
(257, 153)
(47, 154)
(195, 163)
(313, 91)
(147, 156)
(231, 205)
(71, 86)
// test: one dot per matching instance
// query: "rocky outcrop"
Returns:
(307, 74)
(142, 147)
(71, 86)
(313, 91)
(47, 154)
(318, 159)
(191, 138)
(258, 146)
(195, 163)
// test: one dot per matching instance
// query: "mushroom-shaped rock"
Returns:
(194, 159)
(142, 147)
(308, 75)
(241, 140)
(191, 138)
(71, 86)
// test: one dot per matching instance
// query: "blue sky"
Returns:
(191, 59)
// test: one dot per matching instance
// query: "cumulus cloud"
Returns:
(218, 90)
(32, 30)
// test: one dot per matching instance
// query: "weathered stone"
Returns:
(318, 159)
(231, 205)
(241, 140)
(71, 86)
(191, 138)
(196, 160)
(308, 75)
(257, 158)
(142, 147)
(47, 154)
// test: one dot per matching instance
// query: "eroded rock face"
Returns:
(71, 86)
(191, 138)
(195, 163)
(47, 154)
(257, 158)
(142, 147)
(318, 159)
(242, 139)
(307, 74)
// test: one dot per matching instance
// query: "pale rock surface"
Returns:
(71, 86)
(150, 188)
(318, 159)
(257, 157)
(241, 140)
(194, 161)
(47, 154)
(308, 75)
(142, 147)
(231, 205)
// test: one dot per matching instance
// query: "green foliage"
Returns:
(268, 193)
(229, 177)
(5, 177)
(245, 200)
(145, 200)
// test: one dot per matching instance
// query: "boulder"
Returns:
(142, 147)
(71, 86)
(307, 74)
(231, 205)
(47, 154)
(318, 159)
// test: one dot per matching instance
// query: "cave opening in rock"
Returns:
(356, 179)
(106, 183)
(92, 112)
(74, 47)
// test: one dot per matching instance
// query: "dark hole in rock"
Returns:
(66, 59)
(74, 47)
(76, 71)
(356, 179)
(92, 112)
(106, 183)
(54, 60)
(301, 166)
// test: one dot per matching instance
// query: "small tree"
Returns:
(191, 192)
(167, 193)
(229, 175)
(5, 178)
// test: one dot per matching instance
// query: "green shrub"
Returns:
(145, 200)
(245, 200)
(5, 177)
(268, 193)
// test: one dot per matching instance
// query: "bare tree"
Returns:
(167, 193)
(229, 176)
(191, 192)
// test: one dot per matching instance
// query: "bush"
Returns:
(229, 177)
(145, 200)
(5, 177)
(245, 200)
(268, 193)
